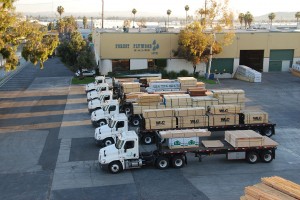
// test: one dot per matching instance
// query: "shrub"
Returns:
(183, 73)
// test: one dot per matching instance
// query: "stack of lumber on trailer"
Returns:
(272, 188)
(154, 113)
(133, 96)
(184, 138)
(147, 80)
(212, 143)
(138, 109)
(149, 99)
(177, 100)
(131, 87)
(187, 82)
(185, 112)
(163, 85)
(223, 119)
(224, 109)
(255, 117)
(191, 117)
(230, 97)
(160, 123)
(244, 138)
(205, 101)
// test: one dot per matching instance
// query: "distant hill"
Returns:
(280, 16)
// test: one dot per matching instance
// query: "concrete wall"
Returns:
(181, 64)
(138, 64)
(106, 66)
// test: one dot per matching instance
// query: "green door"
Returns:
(277, 56)
(222, 65)
(275, 66)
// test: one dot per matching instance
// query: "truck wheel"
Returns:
(115, 167)
(266, 156)
(177, 162)
(101, 122)
(252, 157)
(147, 139)
(268, 132)
(162, 163)
(135, 121)
(108, 141)
(127, 109)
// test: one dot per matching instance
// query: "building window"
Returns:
(120, 65)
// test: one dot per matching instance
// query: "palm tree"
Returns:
(133, 12)
(297, 15)
(186, 8)
(84, 21)
(60, 10)
(248, 18)
(168, 13)
(241, 18)
(271, 16)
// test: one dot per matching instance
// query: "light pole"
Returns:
(102, 25)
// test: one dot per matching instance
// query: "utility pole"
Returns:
(102, 25)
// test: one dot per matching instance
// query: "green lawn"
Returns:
(207, 81)
(86, 80)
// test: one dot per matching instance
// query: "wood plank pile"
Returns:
(138, 109)
(177, 101)
(212, 143)
(205, 101)
(245, 73)
(133, 96)
(185, 112)
(272, 188)
(224, 109)
(163, 85)
(149, 99)
(155, 113)
(196, 91)
(184, 138)
(128, 87)
(255, 117)
(244, 138)
(223, 119)
(147, 80)
(193, 121)
(230, 97)
(160, 123)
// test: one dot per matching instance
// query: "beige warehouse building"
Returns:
(261, 50)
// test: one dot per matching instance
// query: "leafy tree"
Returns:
(271, 17)
(198, 41)
(241, 18)
(50, 26)
(37, 44)
(84, 21)
(168, 13)
(297, 16)
(142, 23)
(248, 18)
(60, 11)
(186, 8)
(134, 11)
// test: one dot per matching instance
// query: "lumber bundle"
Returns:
(124, 80)
(152, 113)
(244, 138)
(163, 85)
(205, 101)
(245, 73)
(177, 101)
(273, 188)
(133, 96)
(149, 99)
(193, 121)
(255, 117)
(224, 109)
(196, 91)
(130, 87)
(187, 82)
(147, 80)
(185, 133)
(229, 96)
(138, 109)
(184, 112)
(160, 123)
(223, 119)
(212, 143)
(295, 70)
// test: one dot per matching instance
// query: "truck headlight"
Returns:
(103, 161)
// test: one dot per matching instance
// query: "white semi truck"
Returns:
(125, 154)
(102, 116)
(94, 94)
(98, 80)
(101, 101)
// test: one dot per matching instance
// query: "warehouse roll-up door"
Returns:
(222, 65)
(253, 59)
(280, 58)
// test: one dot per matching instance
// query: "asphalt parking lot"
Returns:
(47, 149)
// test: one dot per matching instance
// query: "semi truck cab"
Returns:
(96, 104)
(102, 116)
(96, 93)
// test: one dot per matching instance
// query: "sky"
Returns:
(158, 7)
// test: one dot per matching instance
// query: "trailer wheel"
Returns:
(177, 162)
(135, 121)
(108, 141)
(102, 122)
(266, 156)
(268, 132)
(162, 162)
(115, 167)
(147, 139)
(252, 157)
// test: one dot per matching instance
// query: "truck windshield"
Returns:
(111, 123)
(119, 144)
(106, 108)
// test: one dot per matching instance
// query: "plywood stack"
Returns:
(205, 101)
(160, 123)
(244, 138)
(196, 92)
(133, 96)
(195, 121)
(224, 109)
(152, 113)
(147, 80)
(223, 119)
(255, 117)
(272, 188)
(130, 87)
(163, 85)
(185, 112)
(177, 101)
(138, 109)
(149, 99)
(187, 82)
(230, 97)
(245, 73)
(184, 138)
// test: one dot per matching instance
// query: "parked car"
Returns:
(86, 72)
